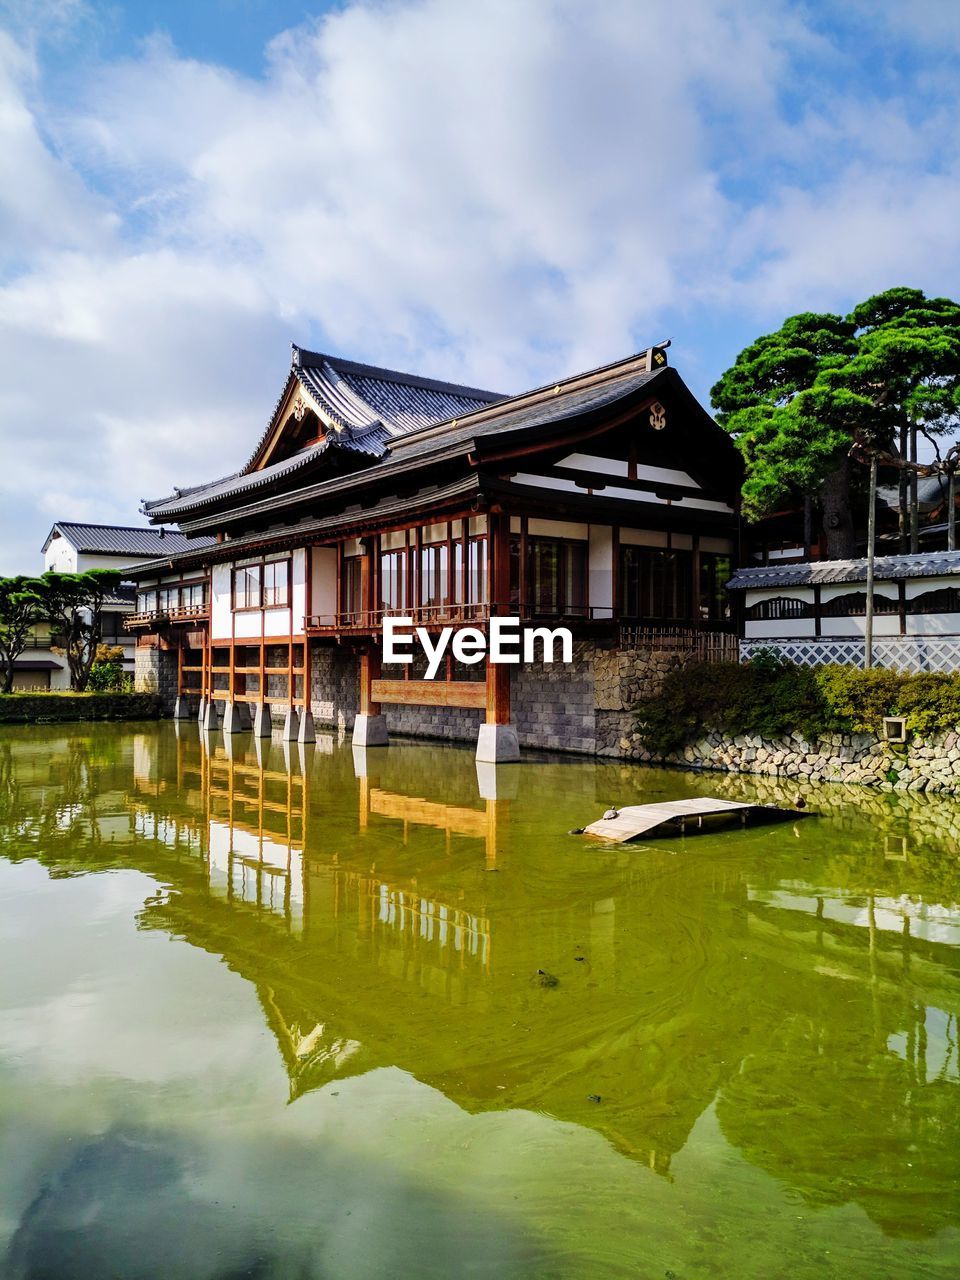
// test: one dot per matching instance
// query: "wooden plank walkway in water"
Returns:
(644, 819)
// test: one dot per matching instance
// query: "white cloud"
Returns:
(500, 193)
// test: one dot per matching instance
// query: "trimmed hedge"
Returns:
(773, 699)
(52, 708)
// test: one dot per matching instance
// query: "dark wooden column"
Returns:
(369, 671)
(498, 674)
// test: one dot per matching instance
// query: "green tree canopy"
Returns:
(797, 399)
(22, 607)
(73, 604)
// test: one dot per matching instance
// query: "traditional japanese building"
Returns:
(607, 502)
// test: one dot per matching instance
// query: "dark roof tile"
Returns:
(928, 564)
(122, 540)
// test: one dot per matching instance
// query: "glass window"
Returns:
(146, 602)
(456, 581)
(393, 580)
(715, 573)
(434, 563)
(351, 601)
(556, 576)
(655, 584)
(246, 587)
(195, 595)
(477, 570)
(276, 585)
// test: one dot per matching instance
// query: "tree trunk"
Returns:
(904, 487)
(914, 504)
(839, 538)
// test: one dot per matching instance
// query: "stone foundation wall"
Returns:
(334, 685)
(581, 708)
(554, 707)
(155, 671)
(924, 764)
(623, 676)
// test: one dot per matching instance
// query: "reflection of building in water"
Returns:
(687, 979)
(257, 829)
(466, 933)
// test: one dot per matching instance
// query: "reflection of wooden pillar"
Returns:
(364, 802)
(495, 810)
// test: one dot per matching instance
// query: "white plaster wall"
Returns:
(220, 612)
(298, 597)
(558, 529)
(643, 537)
(933, 624)
(920, 586)
(788, 628)
(247, 624)
(886, 624)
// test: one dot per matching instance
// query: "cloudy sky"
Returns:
(500, 193)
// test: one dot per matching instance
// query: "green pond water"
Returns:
(284, 1012)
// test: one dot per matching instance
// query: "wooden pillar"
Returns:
(498, 693)
(615, 571)
(369, 671)
(498, 674)
(523, 591)
(817, 611)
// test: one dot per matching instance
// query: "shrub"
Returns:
(107, 674)
(772, 699)
(930, 701)
(767, 698)
(859, 699)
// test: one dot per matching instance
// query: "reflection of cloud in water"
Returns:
(144, 1204)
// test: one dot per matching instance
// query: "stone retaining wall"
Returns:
(923, 764)
(155, 671)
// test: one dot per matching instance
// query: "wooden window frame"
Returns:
(581, 577)
(683, 580)
(259, 565)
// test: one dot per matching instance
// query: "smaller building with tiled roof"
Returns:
(815, 612)
(69, 541)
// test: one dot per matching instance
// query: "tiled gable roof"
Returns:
(928, 564)
(361, 395)
(122, 540)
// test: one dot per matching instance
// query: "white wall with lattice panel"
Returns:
(900, 653)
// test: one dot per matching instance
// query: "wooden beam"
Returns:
(479, 458)
(429, 693)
